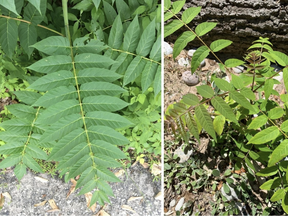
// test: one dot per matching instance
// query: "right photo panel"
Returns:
(225, 107)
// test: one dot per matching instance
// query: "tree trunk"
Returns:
(241, 21)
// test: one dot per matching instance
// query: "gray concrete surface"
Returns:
(135, 183)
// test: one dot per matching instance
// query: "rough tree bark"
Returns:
(241, 21)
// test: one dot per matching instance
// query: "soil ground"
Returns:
(136, 182)
(174, 90)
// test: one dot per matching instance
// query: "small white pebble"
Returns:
(238, 69)
(183, 62)
(167, 48)
(179, 204)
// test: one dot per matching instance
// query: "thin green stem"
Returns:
(129, 53)
(30, 133)
(227, 69)
(66, 22)
(25, 21)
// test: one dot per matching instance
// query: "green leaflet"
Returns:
(276, 113)
(10, 5)
(271, 184)
(100, 197)
(53, 80)
(200, 54)
(56, 95)
(278, 195)
(103, 103)
(155, 53)
(12, 148)
(190, 13)
(36, 4)
(123, 9)
(20, 171)
(100, 88)
(204, 28)
(269, 171)
(54, 45)
(17, 125)
(281, 58)
(224, 109)
(27, 97)
(157, 81)
(284, 203)
(103, 148)
(233, 62)
(106, 119)
(148, 75)
(192, 125)
(147, 40)
(52, 64)
(284, 126)
(132, 35)
(67, 143)
(167, 4)
(223, 84)
(110, 13)
(27, 36)
(205, 91)
(177, 6)
(116, 33)
(279, 153)
(258, 122)
(220, 44)
(10, 161)
(62, 127)
(87, 45)
(32, 14)
(205, 120)
(239, 98)
(103, 133)
(134, 70)
(268, 87)
(89, 60)
(8, 35)
(56, 111)
(22, 111)
(218, 124)
(191, 99)
(171, 27)
(285, 77)
(237, 82)
(182, 42)
(248, 93)
(265, 135)
(106, 174)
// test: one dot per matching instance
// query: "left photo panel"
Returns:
(80, 107)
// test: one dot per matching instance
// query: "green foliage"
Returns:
(91, 92)
(261, 140)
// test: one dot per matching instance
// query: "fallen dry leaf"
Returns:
(120, 173)
(145, 165)
(2, 201)
(53, 206)
(126, 207)
(102, 213)
(134, 198)
(43, 180)
(88, 197)
(72, 188)
(40, 204)
(156, 169)
(219, 186)
(159, 196)
(7, 195)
